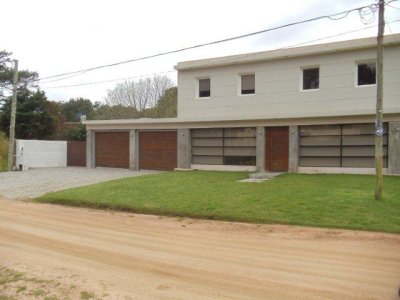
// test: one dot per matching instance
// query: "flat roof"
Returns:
(177, 122)
(281, 53)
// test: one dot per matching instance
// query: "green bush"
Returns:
(3, 152)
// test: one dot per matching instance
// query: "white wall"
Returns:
(278, 93)
(39, 154)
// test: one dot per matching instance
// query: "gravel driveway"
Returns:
(37, 182)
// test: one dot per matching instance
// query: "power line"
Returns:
(105, 81)
(390, 29)
(231, 60)
(54, 80)
(334, 17)
(343, 33)
(393, 6)
(227, 60)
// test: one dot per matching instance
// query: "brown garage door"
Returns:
(157, 150)
(112, 149)
(277, 149)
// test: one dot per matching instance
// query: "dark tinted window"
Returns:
(311, 79)
(248, 84)
(240, 160)
(366, 74)
(204, 87)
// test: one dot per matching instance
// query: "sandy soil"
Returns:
(75, 253)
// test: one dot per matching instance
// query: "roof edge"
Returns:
(340, 46)
(181, 121)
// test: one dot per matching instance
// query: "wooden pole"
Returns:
(12, 119)
(379, 105)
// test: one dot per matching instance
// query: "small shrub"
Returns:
(21, 289)
(3, 152)
(9, 276)
(87, 295)
(38, 292)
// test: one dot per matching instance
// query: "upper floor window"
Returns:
(204, 88)
(248, 84)
(310, 78)
(366, 73)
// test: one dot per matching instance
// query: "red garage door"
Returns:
(157, 150)
(112, 149)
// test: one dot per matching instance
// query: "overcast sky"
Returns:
(57, 36)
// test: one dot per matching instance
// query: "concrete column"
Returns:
(293, 149)
(90, 149)
(260, 149)
(133, 150)
(394, 147)
(184, 148)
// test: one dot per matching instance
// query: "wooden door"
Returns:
(76, 153)
(157, 150)
(277, 149)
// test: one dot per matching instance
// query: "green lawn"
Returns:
(337, 201)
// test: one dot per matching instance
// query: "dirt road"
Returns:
(126, 256)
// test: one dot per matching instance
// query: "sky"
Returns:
(59, 36)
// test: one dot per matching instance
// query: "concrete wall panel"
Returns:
(40, 154)
(394, 148)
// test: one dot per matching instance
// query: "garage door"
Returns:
(157, 150)
(341, 145)
(112, 149)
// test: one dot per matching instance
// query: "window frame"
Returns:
(363, 62)
(240, 84)
(198, 87)
(302, 69)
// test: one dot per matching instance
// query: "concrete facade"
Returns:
(293, 149)
(278, 83)
(133, 150)
(184, 148)
(90, 149)
(260, 149)
(394, 147)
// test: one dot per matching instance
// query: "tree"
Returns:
(107, 112)
(76, 134)
(37, 118)
(75, 108)
(140, 95)
(26, 78)
(166, 106)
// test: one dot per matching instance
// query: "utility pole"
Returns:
(12, 119)
(379, 104)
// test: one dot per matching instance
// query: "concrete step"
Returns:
(264, 175)
(252, 180)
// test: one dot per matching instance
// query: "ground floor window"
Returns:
(224, 146)
(345, 145)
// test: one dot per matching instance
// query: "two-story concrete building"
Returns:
(304, 109)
